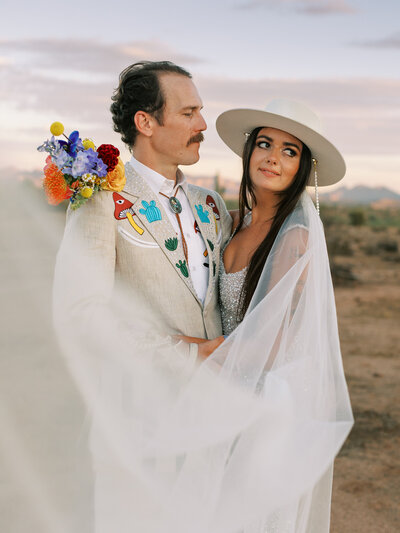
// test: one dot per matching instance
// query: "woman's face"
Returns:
(275, 160)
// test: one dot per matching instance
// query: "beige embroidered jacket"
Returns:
(129, 238)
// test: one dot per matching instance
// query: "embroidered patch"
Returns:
(151, 211)
(183, 268)
(210, 244)
(203, 215)
(211, 203)
(171, 244)
(123, 209)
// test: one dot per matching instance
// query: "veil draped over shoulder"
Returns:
(243, 442)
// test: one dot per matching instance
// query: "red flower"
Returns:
(109, 154)
(55, 185)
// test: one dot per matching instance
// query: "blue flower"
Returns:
(73, 143)
(61, 159)
(49, 146)
(81, 165)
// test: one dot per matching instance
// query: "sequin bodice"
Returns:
(230, 287)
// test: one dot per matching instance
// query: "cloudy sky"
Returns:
(61, 60)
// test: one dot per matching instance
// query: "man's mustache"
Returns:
(196, 139)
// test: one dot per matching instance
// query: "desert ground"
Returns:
(42, 419)
(366, 489)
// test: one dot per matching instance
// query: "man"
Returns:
(160, 240)
(160, 236)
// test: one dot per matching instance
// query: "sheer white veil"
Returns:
(243, 442)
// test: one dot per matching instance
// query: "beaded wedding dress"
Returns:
(230, 286)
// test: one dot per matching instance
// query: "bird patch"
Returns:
(203, 215)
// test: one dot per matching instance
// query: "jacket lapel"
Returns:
(209, 228)
(154, 219)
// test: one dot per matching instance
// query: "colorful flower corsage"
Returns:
(75, 169)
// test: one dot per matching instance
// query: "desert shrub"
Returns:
(357, 217)
(382, 247)
(394, 258)
(339, 245)
(379, 229)
(333, 215)
(388, 245)
(343, 274)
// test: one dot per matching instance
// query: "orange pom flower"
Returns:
(54, 184)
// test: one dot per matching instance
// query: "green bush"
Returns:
(357, 217)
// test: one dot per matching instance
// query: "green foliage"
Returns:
(357, 217)
(218, 187)
(231, 204)
(342, 215)
(333, 215)
(339, 244)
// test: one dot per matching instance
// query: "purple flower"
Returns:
(101, 168)
(97, 165)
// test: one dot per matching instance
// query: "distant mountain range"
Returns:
(362, 195)
(378, 197)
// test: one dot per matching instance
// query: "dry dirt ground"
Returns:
(366, 491)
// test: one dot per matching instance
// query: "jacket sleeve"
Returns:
(85, 265)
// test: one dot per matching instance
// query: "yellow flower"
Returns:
(86, 192)
(115, 180)
(88, 143)
(57, 128)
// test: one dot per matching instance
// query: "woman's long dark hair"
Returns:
(286, 204)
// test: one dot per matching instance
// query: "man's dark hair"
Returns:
(139, 89)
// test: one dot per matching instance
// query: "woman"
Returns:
(277, 166)
(275, 285)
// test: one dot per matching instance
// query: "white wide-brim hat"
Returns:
(233, 127)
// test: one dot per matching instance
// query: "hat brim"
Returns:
(232, 126)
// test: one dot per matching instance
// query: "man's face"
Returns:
(177, 140)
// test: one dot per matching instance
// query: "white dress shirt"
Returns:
(196, 248)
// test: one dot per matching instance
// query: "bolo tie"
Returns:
(176, 208)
